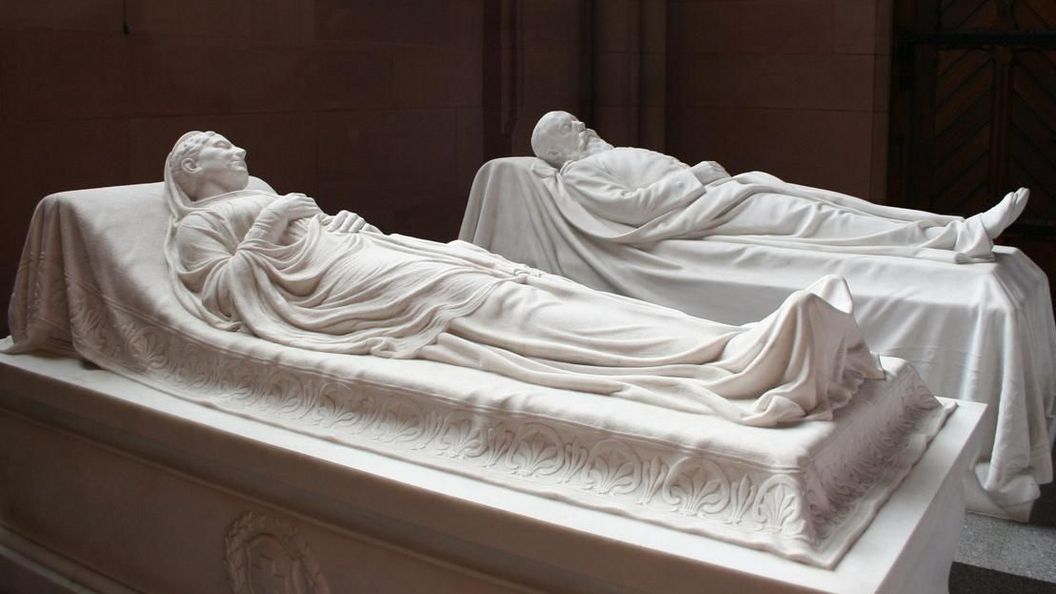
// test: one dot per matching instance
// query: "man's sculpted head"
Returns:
(205, 164)
(559, 137)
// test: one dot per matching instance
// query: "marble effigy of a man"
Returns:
(637, 196)
(279, 268)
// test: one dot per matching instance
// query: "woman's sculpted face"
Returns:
(207, 164)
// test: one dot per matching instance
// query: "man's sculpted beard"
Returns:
(594, 143)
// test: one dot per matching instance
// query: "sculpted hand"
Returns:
(345, 222)
(294, 206)
(275, 218)
(708, 171)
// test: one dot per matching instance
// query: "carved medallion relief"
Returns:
(266, 555)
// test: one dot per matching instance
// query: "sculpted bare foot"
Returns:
(998, 218)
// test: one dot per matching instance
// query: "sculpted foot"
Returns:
(998, 218)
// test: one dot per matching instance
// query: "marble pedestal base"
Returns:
(110, 486)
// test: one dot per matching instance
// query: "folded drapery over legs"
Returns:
(806, 359)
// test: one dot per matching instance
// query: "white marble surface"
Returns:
(453, 520)
(978, 332)
(792, 490)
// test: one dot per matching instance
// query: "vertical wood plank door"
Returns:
(974, 112)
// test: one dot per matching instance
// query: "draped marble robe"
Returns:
(395, 296)
(637, 196)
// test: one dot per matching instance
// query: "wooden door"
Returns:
(974, 111)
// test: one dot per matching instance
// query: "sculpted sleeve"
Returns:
(606, 196)
(204, 247)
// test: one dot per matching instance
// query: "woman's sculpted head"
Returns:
(201, 166)
(205, 164)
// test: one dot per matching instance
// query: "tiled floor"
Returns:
(996, 556)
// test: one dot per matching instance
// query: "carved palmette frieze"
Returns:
(266, 554)
(795, 512)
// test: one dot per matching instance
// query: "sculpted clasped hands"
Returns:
(293, 206)
(347, 222)
(299, 206)
(275, 219)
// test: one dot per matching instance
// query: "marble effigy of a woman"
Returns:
(281, 269)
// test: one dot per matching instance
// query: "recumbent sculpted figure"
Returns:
(637, 196)
(279, 268)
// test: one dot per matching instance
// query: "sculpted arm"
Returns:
(207, 240)
(204, 250)
(604, 195)
(276, 217)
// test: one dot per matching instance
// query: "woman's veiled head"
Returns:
(205, 164)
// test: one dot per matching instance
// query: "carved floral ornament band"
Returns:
(808, 517)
